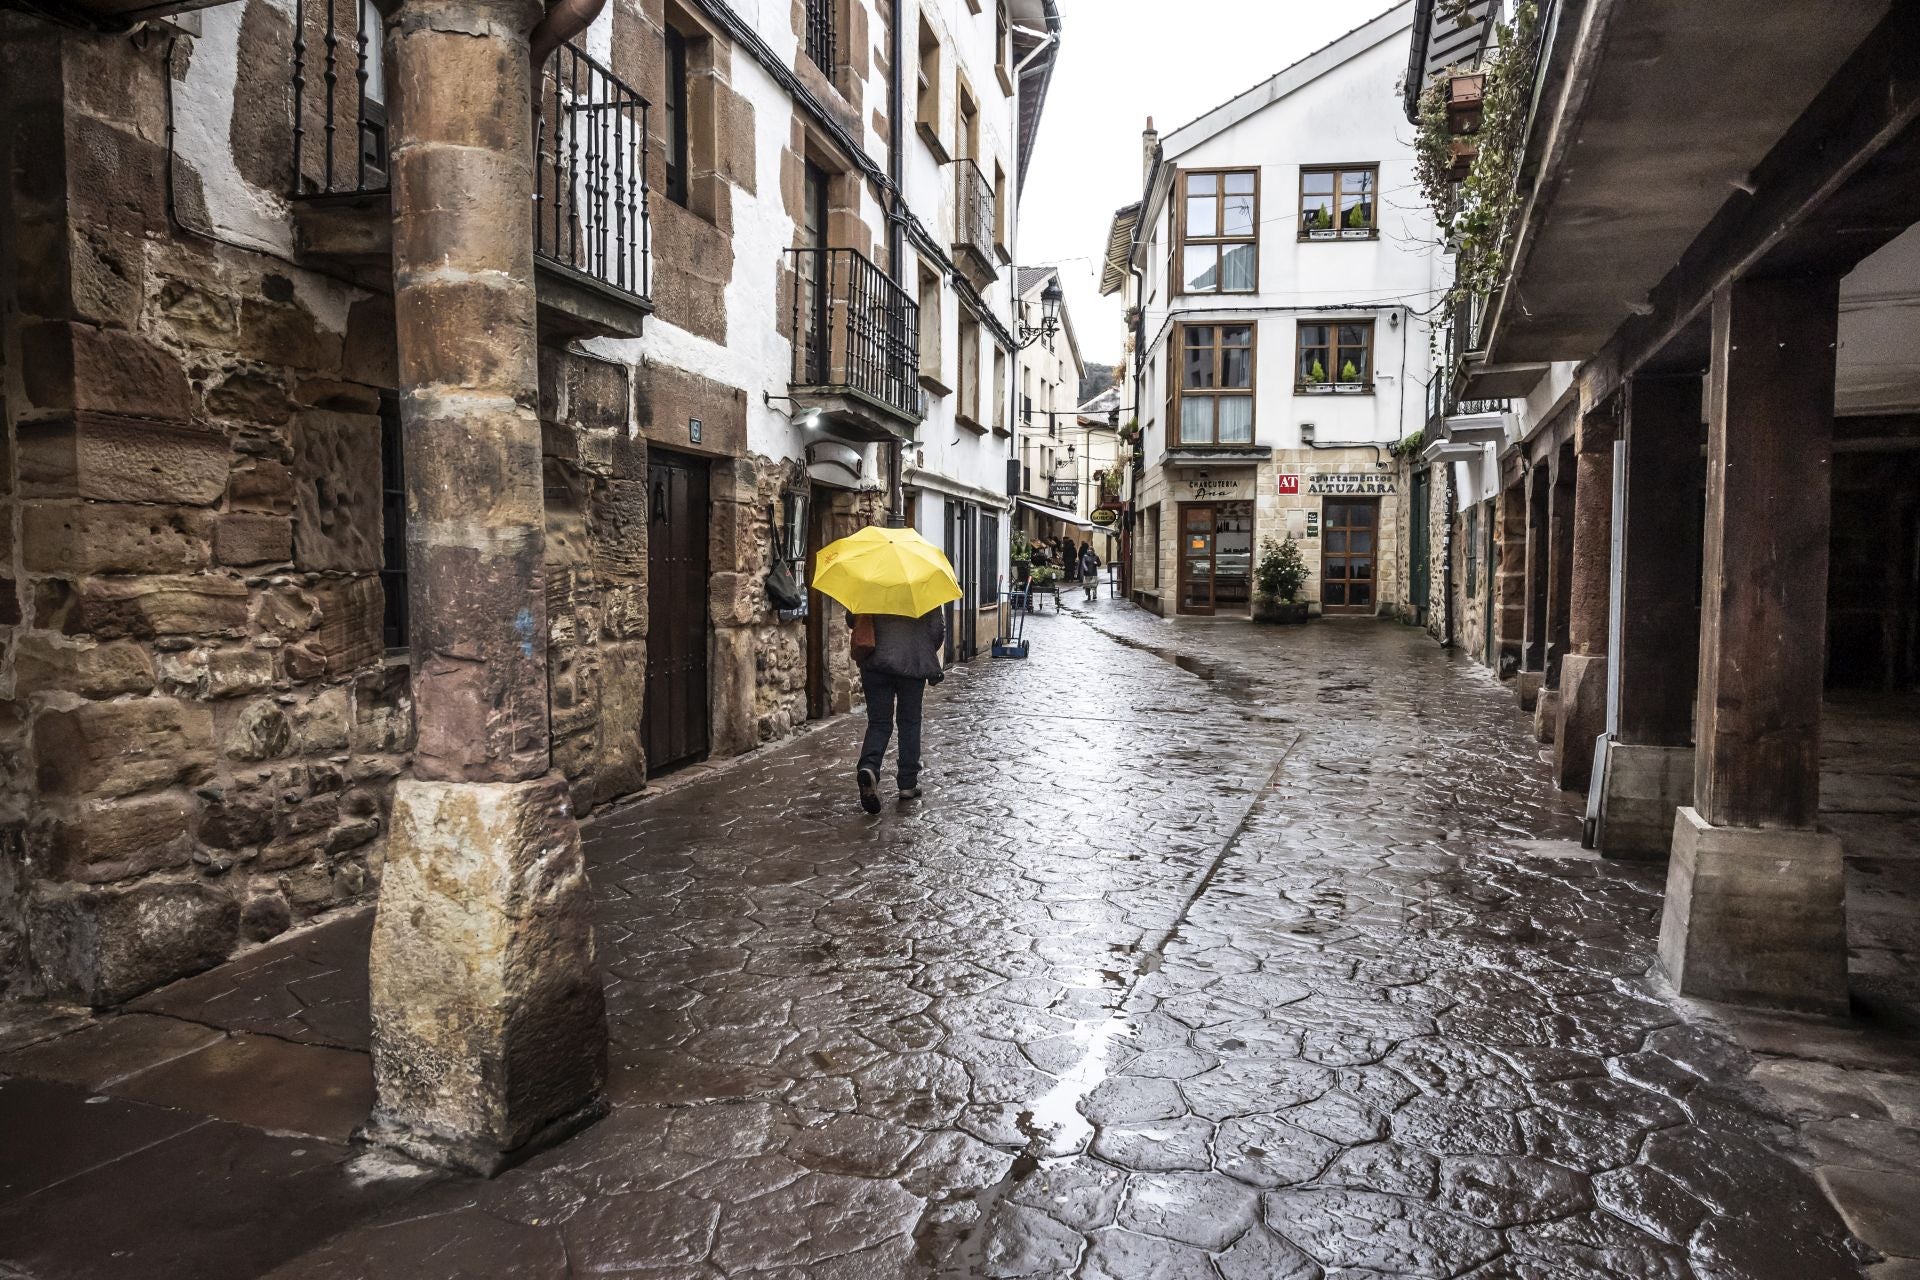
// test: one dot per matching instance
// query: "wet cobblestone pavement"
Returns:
(1212, 952)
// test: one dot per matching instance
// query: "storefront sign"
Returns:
(1289, 485)
(1344, 483)
(1065, 490)
(1204, 486)
(1313, 526)
(1105, 517)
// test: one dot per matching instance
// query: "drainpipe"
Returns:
(1446, 565)
(564, 20)
(897, 222)
(489, 1025)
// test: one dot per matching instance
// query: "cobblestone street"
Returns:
(1248, 959)
(1212, 951)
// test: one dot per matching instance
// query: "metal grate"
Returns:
(973, 209)
(590, 172)
(854, 328)
(591, 145)
(820, 34)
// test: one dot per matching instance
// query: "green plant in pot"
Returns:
(1278, 580)
(1318, 373)
(1349, 372)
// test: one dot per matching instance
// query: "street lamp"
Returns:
(1050, 299)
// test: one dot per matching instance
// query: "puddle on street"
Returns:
(1053, 1120)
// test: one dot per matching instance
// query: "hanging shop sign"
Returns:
(1065, 490)
(1105, 517)
(1348, 483)
(1289, 485)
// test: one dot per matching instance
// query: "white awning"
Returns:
(1058, 513)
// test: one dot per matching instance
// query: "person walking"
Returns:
(898, 658)
(1090, 571)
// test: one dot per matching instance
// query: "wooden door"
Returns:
(1350, 555)
(961, 549)
(1196, 559)
(1420, 546)
(819, 610)
(675, 724)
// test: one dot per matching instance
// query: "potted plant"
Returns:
(1022, 556)
(1350, 374)
(1278, 580)
(1131, 431)
(1315, 377)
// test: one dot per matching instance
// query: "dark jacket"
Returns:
(907, 647)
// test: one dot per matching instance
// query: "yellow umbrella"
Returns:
(886, 571)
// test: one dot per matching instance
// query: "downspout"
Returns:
(1446, 564)
(896, 226)
(563, 20)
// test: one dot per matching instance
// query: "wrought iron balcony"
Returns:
(973, 219)
(590, 200)
(856, 342)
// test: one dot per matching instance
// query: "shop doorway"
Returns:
(1216, 557)
(962, 547)
(1350, 555)
(675, 726)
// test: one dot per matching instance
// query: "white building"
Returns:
(1277, 271)
(1045, 426)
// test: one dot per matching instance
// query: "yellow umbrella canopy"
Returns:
(886, 571)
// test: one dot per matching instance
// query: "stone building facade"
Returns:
(206, 693)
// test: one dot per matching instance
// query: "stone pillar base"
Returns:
(489, 1020)
(1642, 789)
(1580, 717)
(1756, 916)
(1526, 686)
(1546, 714)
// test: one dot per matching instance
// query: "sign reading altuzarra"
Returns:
(1342, 484)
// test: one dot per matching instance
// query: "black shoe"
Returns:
(869, 791)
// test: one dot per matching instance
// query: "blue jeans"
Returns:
(889, 698)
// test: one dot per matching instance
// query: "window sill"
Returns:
(931, 381)
(1340, 235)
(937, 145)
(1006, 80)
(1217, 293)
(977, 428)
(1333, 389)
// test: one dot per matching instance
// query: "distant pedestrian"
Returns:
(1090, 571)
(898, 658)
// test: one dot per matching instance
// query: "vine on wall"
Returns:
(1476, 215)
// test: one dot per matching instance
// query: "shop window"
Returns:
(393, 522)
(1335, 357)
(1216, 384)
(1219, 232)
(1340, 204)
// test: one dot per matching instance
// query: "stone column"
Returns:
(1533, 650)
(489, 1028)
(1559, 589)
(1649, 772)
(1755, 892)
(1581, 713)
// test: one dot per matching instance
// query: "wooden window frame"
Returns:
(932, 330)
(1333, 386)
(1181, 240)
(1176, 419)
(930, 97)
(1003, 46)
(676, 98)
(1337, 234)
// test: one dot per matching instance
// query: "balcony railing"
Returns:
(590, 172)
(854, 329)
(973, 210)
(590, 142)
(820, 35)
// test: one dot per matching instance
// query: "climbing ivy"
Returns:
(1476, 215)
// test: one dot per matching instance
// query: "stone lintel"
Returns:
(1756, 916)
(1640, 792)
(489, 1020)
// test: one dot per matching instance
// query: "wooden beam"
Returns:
(1660, 563)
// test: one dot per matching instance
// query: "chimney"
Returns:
(1149, 145)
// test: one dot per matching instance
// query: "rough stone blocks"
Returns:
(1546, 714)
(102, 946)
(1580, 716)
(1756, 916)
(1526, 687)
(1642, 789)
(489, 1022)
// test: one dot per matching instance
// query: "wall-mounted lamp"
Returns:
(1050, 299)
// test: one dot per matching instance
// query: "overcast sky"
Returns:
(1120, 62)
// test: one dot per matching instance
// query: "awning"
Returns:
(1058, 513)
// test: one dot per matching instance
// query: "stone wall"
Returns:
(196, 692)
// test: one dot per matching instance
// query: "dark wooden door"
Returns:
(1196, 559)
(819, 611)
(1420, 546)
(1350, 555)
(962, 553)
(675, 726)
